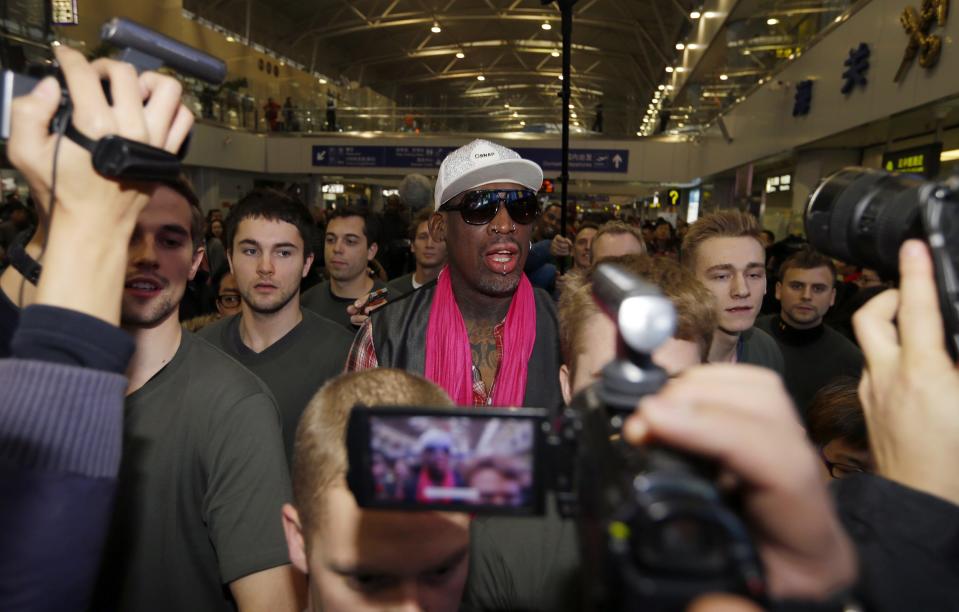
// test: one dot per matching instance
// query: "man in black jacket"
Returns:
(485, 204)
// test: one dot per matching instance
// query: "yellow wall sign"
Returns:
(919, 160)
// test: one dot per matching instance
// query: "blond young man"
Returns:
(588, 336)
(725, 252)
(615, 238)
(358, 559)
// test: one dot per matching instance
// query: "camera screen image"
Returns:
(462, 461)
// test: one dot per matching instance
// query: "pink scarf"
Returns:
(448, 355)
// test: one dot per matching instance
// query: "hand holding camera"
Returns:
(910, 385)
(85, 272)
(742, 417)
(145, 108)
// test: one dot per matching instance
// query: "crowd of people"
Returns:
(149, 467)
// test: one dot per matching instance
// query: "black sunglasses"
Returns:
(481, 207)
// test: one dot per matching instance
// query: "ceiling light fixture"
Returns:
(680, 69)
(723, 77)
(436, 29)
(515, 114)
(772, 21)
(480, 77)
(230, 39)
(670, 88)
(710, 15)
(669, 69)
(322, 81)
(554, 53)
(661, 87)
(546, 26)
(680, 46)
(460, 55)
(560, 77)
(695, 15)
(522, 123)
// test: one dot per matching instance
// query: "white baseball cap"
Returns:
(482, 162)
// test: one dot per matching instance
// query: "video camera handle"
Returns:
(644, 319)
(115, 157)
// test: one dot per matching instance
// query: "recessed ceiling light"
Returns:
(661, 87)
(695, 15)
(480, 78)
(546, 26)
(230, 39)
(680, 46)
(772, 21)
(515, 114)
(570, 107)
(573, 115)
(436, 29)
(554, 53)
(723, 77)
(710, 14)
(460, 55)
(670, 88)
(680, 69)
(522, 123)
(669, 68)
(560, 77)
(322, 81)
(639, 133)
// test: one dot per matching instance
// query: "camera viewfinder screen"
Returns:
(464, 461)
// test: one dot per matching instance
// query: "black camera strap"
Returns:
(115, 157)
(27, 266)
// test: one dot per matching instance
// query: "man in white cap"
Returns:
(480, 331)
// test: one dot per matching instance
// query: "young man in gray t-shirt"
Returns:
(203, 475)
(293, 350)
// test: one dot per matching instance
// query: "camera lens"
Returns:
(861, 216)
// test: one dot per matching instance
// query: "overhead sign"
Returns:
(64, 12)
(779, 183)
(673, 196)
(918, 160)
(430, 158)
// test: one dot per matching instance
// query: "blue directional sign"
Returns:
(430, 158)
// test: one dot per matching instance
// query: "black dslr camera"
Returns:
(862, 216)
(114, 156)
(655, 532)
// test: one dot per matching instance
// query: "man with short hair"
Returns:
(615, 238)
(724, 251)
(429, 254)
(481, 332)
(534, 564)
(355, 559)
(352, 240)
(814, 353)
(548, 224)
(293, 350)
(203, 473)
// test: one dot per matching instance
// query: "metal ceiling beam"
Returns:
(509, 74)
(516, 46)
(421, 19)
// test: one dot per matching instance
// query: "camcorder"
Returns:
(862, 216)
(114, 156)
(655, 530)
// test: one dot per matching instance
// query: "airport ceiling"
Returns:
(485, 54)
